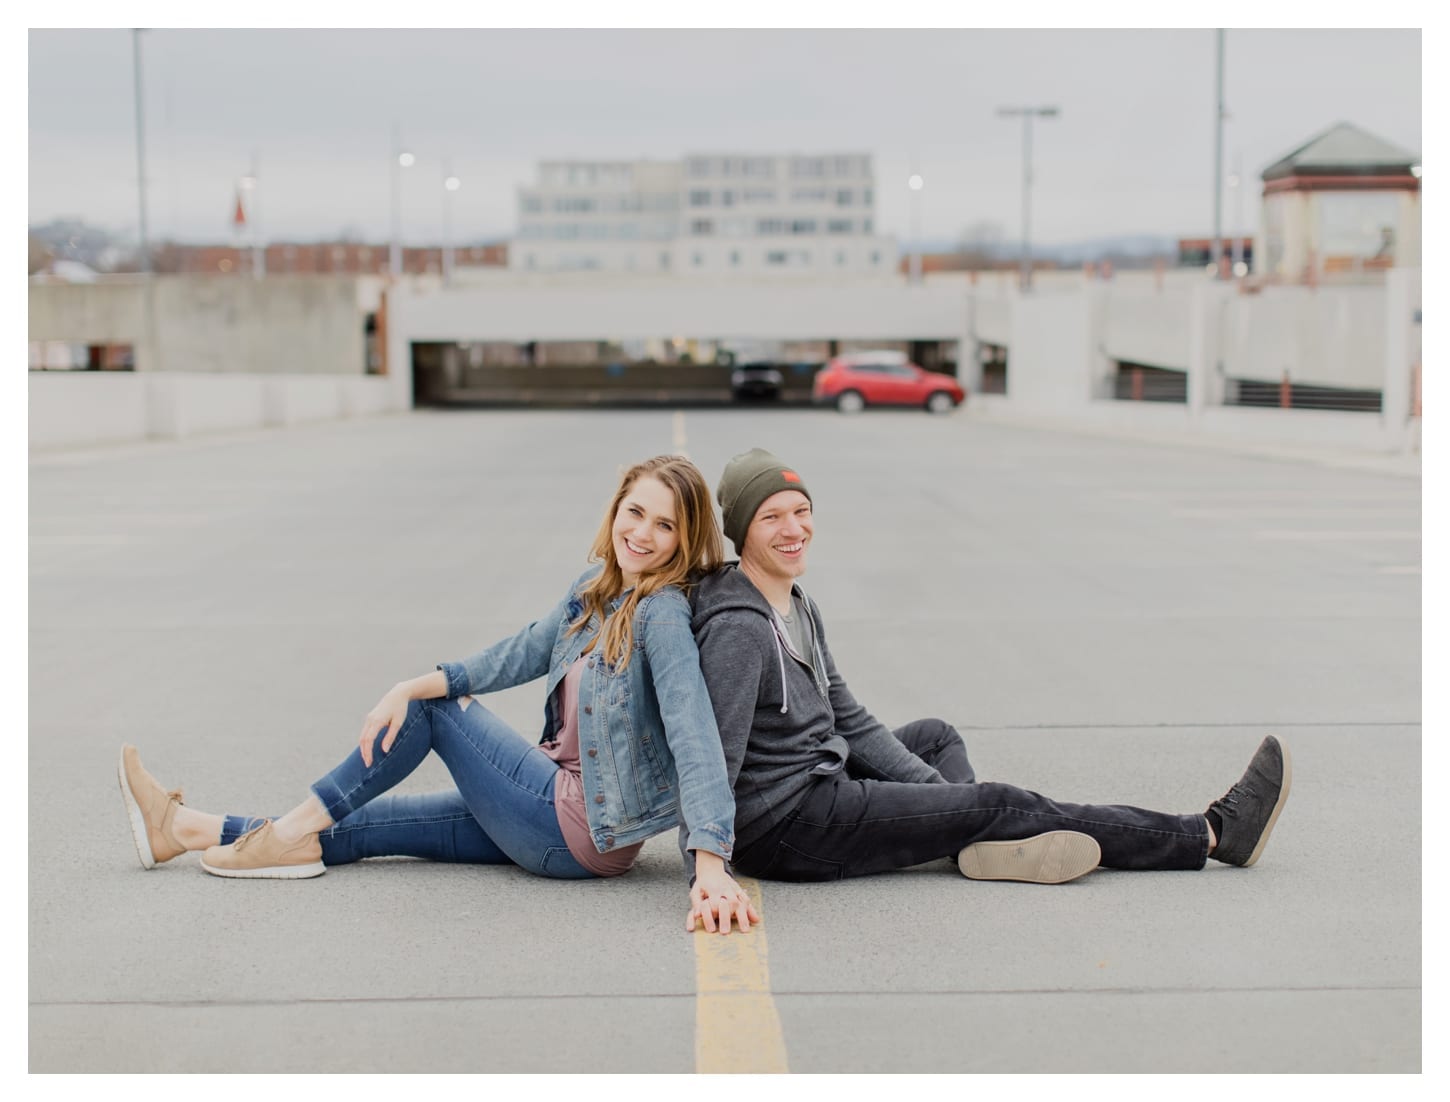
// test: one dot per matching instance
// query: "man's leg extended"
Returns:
(846, 827)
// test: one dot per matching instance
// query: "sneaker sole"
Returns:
(134, 816)
(276, 872)
(1278, 807)
(1052, 858)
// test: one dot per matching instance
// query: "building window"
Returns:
(866, 197)
(700, 197)
(875, 259)
(727, 198)
(843, 197)
(531, 204)
(803, 225)
(776, 257)
(866, 226)
(697, 260)
(702, 227)
(735, 259)
(664, 260)
(766, 227)
(810, 195)
(759, 195)
(839, 225)
(840, 260)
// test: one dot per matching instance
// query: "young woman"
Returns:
(629, 748)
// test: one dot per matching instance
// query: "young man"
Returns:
(823, 790)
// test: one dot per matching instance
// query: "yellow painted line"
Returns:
(737, 1028)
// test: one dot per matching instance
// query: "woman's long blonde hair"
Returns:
(700, 551)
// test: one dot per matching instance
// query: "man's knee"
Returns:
(927, 734)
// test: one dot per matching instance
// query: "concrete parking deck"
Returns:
(1103, 620)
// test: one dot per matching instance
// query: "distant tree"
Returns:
(979, 245)
(40, 254)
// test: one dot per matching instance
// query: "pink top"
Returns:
(569, 785)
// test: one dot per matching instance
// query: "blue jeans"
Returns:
(501, 813)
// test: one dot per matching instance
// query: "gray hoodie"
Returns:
(778, 724)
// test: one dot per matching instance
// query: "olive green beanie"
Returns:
(748, 480)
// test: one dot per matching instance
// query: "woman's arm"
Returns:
(707, 805)
(393, 708)
(521, 657)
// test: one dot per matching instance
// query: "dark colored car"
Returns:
(756, 380)
(857, 380)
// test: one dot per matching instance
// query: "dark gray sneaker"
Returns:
(1251, 807)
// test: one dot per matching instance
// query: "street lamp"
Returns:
(1027, 114)
(248, 183)
(401, 159)
(916, 183)
(1236, 183)
(451, 183)
(140, 149)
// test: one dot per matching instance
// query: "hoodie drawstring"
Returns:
(780, 657)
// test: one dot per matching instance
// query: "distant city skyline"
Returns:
(1130, 154)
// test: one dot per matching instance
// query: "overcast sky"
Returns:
(1132, 151)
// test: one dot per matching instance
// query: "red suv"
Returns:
(859, 379)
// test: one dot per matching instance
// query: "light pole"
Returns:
(401, 159)
(916, 183)
(140, 149)
(1236, 182)
(248, 184)
(1027, 114)
(451, 183)
(1218, 117)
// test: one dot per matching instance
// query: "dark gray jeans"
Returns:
(853, 824)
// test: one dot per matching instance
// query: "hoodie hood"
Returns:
(727, 588)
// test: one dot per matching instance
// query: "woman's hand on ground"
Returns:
(716, 898)
(388, 712)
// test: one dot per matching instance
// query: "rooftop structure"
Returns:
(1345, 202)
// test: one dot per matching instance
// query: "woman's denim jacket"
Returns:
(645, 733)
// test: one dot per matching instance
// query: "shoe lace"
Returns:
(1227, 804)
(241, 843)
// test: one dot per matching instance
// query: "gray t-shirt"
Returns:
(801, 631)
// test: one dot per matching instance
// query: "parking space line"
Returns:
(737, 1026)
(1312, 534)
(678, 439)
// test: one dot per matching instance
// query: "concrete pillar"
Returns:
(400, 350)
(969, 355)
(1402, 299)
(1099, 365)
(1200, 356)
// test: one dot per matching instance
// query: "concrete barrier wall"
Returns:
(1144, 326)
(1325, 336)
(614, 312)
(70, 410)
(281, 325)
(88, 409)
(1262, 429)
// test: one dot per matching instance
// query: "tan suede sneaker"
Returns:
(149, 809)
(1052, 858)
(260, 855)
